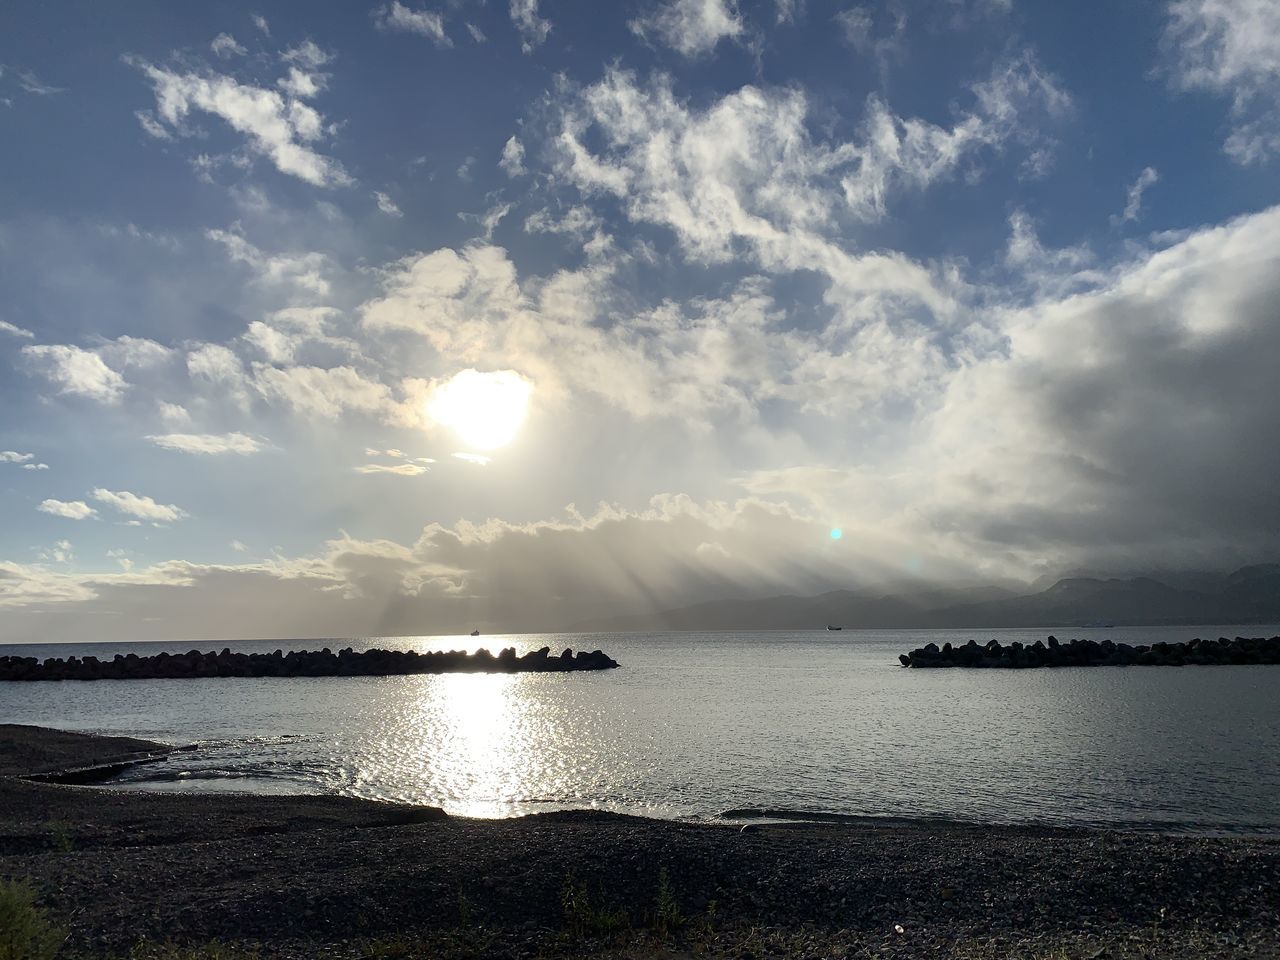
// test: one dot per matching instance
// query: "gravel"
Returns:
(328, 876)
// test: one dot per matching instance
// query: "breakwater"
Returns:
(1095, 653)
(298, 663)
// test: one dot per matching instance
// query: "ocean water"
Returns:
(693, 725)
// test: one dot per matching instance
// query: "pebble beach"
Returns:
(324, 876)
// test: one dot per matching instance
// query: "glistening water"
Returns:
(694, 724)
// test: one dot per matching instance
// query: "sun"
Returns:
(485, 410)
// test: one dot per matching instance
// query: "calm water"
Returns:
(694, 724)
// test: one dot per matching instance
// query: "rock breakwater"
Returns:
(298, 663)
(1095, 653)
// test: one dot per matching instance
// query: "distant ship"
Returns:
(830, 627)
(475, 633)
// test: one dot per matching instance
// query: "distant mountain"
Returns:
(1249, 595)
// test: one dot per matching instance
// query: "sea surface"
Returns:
(696, 724)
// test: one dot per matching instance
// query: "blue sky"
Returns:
(356, 318)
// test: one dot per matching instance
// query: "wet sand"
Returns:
(336, 877)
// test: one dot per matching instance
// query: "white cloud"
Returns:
(426, 23)
(133, 505)
(260, 22)
(513, 157)
(35, 466)
(691, 27)
(32, 84)
(60, 552)
(300, 83)
(476, 33)
(12, 456)
(321, 392)
(386, 204)
(533, 28)
(1133, 204)
(138, 352)
(225, 45)
(1231, 48)
(396, 469)
(208, 444)
(277, 127)
(478, 459)
(308, 54)
(78, 372)
(304, 272)
(174, 412)
(6, 327)
(238, 547)
(71, 510)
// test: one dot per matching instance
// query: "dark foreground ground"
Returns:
(142, 875)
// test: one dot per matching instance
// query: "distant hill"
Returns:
(1249, 595)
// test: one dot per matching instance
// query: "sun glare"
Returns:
(485, 410)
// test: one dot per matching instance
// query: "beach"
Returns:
(334, 877)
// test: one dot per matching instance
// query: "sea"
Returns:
(697, 726)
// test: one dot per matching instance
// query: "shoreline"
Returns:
(309, 876)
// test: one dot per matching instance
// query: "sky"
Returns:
(348, 319)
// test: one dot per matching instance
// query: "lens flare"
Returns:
(836, 533)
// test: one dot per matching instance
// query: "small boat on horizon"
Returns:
(475, 633)
(831, 627)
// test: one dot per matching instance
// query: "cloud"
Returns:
(478, 459)
(1092, 437)
(308, 54)
(60, 552)
(426, 23)
(1231, 48)
(32, 84)
(260, 22)
(225, 45)
(746, 170)
(6, 327)
(174, 412)
(304, 272)
(386, 204)
(396, 469)
(280, 128)
(512, 161)
(35, 466)
(72, 510)
(300, 83)
(77, 372)
(533, 28)
(1133, 205)
(207, 444)
(12, 456)
(238, 547)
(691, 27)
(324, 392)
(133, 505)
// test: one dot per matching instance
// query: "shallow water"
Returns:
(694, 724)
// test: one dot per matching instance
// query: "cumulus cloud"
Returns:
(1231, 48)
(283, 129)
(35, 466)
(71, 510)
(12, 456)
(691, 27)
(142, 508)
(426, 23)
(513, 157)
(77, 372)
(533, 28)
(207, 444)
